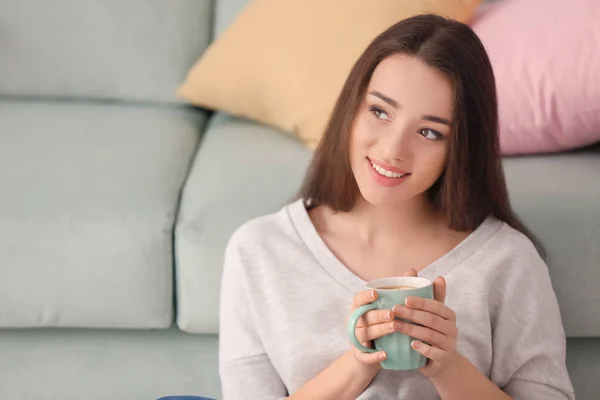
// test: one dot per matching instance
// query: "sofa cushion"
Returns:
(242, 170)
(77, 364)
(583, 366)
(558, 197)
(546, 71)
(89, 196)
(134, 49)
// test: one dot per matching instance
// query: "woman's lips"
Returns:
(381, 175)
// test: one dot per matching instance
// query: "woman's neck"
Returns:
(411, 220)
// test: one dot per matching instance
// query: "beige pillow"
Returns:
(284, 62)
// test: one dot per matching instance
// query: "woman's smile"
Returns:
(386, 175)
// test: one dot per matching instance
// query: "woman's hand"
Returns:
(372, 325)
(439, 329)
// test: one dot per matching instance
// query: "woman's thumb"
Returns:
(439, 289)
(411, 272)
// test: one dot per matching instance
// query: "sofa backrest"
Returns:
(101, 49)
(225, 13)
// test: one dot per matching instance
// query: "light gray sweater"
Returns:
(285, 298)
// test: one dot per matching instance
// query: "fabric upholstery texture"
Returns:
(89, 198)
(242, 170)
(558, 198)
(86, 364)
(109, 49)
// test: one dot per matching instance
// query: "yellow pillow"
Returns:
(284, 62)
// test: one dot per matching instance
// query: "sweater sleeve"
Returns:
(529, 343)
(244, 367)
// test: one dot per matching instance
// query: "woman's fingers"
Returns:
(425, 318)
(372, 332)
(432, 353)
(427, 335)
(432, 306)
(411, 272)
(364, 297)
(439, 289)
(375, 317)
(370, 358)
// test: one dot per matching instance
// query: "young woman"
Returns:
(407, 180)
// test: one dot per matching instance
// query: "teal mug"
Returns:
(392, 291)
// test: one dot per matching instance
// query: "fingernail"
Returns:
(397, 325)
(390, 315)
(415, 344)
(406, 301)
(397, 309)
(382, 356)
(372, 295)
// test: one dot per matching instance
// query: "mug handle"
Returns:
(356, 314)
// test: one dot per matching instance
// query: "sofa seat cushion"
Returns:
(583, 366)
(89, 194)
(242, 170)
(85, 364)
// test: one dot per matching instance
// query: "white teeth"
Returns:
(385, 172)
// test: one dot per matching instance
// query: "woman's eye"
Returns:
(430, 134)
(379, 113)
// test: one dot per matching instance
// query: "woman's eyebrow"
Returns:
(394, 103)
(437, 119)
(385, 98)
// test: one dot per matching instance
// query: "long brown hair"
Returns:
(472, 185)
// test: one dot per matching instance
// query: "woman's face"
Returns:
(400, 133)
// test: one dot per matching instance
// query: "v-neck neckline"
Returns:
(337, 269)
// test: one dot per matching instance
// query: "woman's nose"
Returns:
(397, 144)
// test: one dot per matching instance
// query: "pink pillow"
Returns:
(546, 59)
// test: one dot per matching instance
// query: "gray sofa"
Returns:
(116, 201)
